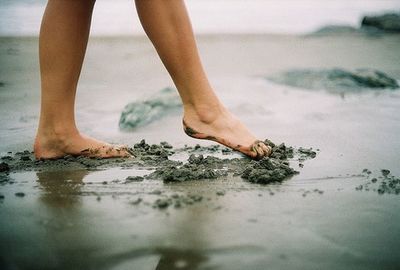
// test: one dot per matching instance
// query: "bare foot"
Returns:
(227, 130)
(52, 147)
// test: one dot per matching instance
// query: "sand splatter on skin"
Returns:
(257, 150)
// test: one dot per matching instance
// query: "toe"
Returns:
(267, 149)
(257, 151)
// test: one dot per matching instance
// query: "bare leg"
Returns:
(62, 45)
(168, 26)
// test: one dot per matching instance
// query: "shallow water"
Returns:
(315, 220)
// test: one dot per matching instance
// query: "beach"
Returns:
(335, 213)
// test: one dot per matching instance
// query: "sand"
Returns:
(340, 211)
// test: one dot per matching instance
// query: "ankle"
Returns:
(203, 113)
(60, 133)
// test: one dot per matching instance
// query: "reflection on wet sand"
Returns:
(61, 189)
(180, 259)
(62, 196)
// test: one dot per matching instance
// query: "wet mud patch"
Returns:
(168, 200)
(141, 113)
(336, 80)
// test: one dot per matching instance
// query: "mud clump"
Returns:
(4, 167)
(275, 168)
(20, 194)
(389, 184)
(268, 170)
(280, 151)
(220, 193)
(153, 155)
(130, 179)
(207, 149)
(385, 172)
(161, 203)
(177, 201)
(136, 202)
(386, 183)
(196, 168)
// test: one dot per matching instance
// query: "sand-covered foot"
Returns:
(77, 145)
(227, 130)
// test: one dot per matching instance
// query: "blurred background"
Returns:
(117, 17)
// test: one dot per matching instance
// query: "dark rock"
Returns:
(141, 113)
(387, 22)
(336, 79)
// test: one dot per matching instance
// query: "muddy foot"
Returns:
(77, 145)
(228, 131)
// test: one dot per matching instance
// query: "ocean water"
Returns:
(118, 17)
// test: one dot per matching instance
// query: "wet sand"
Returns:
(330, 215)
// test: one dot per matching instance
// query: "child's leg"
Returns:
(62, 45)
(168, 26)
